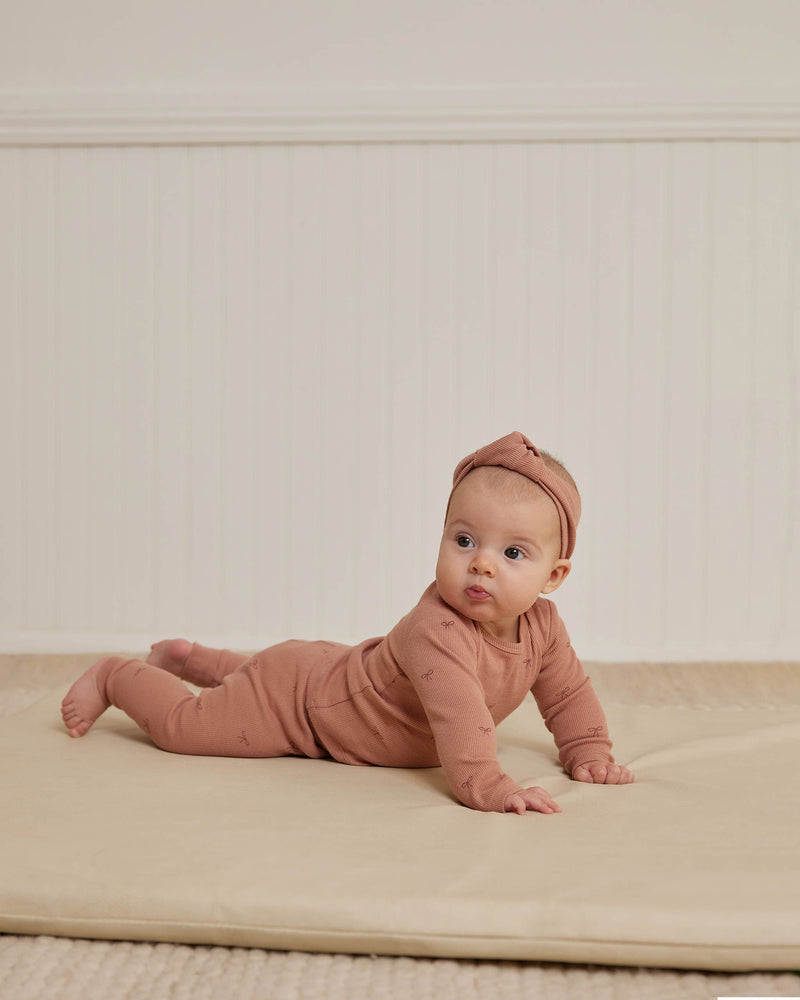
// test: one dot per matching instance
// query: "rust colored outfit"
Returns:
(429, 693)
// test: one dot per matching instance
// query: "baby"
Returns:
(429, 693)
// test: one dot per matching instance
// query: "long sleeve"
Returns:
(441, 664)
(567, 701)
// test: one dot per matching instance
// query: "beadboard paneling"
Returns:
(236, 380)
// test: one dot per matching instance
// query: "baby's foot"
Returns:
(170, 655)
(83, 704)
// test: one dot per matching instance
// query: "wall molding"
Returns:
(330, 116)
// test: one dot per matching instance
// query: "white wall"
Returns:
(239, 45)
(237, 376)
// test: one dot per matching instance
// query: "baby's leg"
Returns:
(170, 655)
(83, 704)
(194, 663)
(89, 696)
(234, 719)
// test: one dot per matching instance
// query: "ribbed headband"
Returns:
(517, 453)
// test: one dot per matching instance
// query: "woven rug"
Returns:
(45, 966)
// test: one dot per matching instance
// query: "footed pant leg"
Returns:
(207, 667)
(234, 719)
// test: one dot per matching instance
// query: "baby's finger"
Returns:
(593, 773)
(540, 801)
(602, 774)
(515, 804)
(618, 775)
(625, 776)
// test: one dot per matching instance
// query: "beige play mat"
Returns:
(695, 866)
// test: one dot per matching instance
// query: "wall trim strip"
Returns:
(45, 119)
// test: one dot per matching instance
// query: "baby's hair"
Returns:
(514, 485)
(558, 467)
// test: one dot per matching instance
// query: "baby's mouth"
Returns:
(477, 593)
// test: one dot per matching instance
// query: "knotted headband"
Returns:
(517, 453)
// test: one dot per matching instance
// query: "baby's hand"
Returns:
(535, 799)
(603, 774)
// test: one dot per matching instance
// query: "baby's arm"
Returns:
(573, 713)
(440, 662)
(578, 724)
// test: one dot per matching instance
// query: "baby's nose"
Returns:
(483, 563)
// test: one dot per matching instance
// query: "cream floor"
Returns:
(35, 968)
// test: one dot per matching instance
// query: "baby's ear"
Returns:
(558, 575)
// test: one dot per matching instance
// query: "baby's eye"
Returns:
(464, 541)
(512, 552)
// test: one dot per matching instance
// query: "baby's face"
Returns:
(498, 555)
